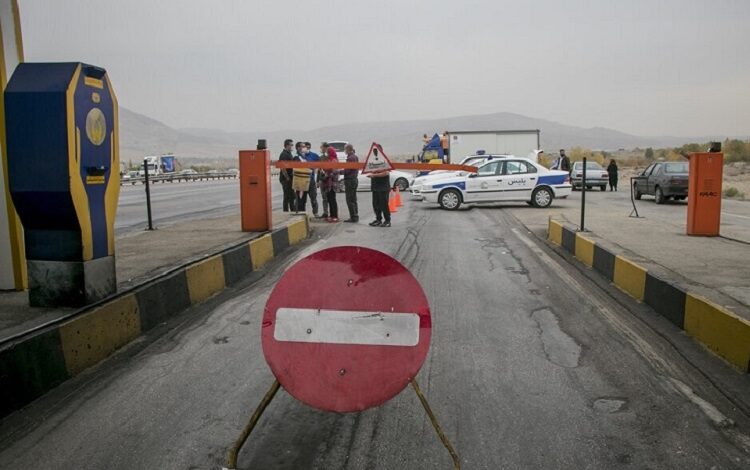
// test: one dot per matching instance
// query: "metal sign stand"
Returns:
(148, 194)
(632, 200)
(269, 396)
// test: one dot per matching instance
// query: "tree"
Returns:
(649, 155)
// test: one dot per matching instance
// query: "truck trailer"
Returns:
(521, 143)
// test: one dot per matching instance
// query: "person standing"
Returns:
(319, 182)
(445, 143)
(350, 184)
(330, 182)
(313, 191)
(613, 176)
(285, 177)
(300, 179)
(564, 161)
(380, 186)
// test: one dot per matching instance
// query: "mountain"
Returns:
(141, 135)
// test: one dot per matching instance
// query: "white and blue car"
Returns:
(500, 180)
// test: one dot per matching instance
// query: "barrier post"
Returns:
(255, 188)
(704, 192)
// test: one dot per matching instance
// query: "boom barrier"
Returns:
(359, 166)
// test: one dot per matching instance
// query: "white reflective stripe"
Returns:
(309, 325)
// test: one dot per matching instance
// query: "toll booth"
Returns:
(704, 194)
(255, 189)
(63, 170)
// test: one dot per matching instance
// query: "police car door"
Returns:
(518, 180)
(484, 184)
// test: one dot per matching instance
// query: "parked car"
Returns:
(399, 179)
(663, 180)
(338, 146)
(500, 180)
(595, 175)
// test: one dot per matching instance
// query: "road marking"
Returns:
(736, 215)
(643, 348)
(346, 327)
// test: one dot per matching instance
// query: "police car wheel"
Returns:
(450, 199)
(542, 197)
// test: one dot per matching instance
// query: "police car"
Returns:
(500, 180)
(416, 184)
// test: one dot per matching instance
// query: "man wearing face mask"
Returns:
(301, 179)
(312, 193)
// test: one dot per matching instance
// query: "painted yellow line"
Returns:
(630, 277)
(297, 231)
(585, 250)
(554, 232)
(261, 251)
(719, 329)
(93, 336)
(205, 279)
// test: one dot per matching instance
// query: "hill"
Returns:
(141, 135)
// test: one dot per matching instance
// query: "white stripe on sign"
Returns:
(309, 325)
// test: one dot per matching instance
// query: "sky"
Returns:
(646, 67)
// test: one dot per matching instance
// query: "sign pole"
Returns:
(583, 198)
(148, 194)
(436, 425)
(235, 451)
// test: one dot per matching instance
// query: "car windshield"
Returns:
(676, 167)
(338, 146)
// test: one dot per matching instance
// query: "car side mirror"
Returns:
(472, 175)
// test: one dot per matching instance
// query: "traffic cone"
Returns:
(392, 203)
(398, 198)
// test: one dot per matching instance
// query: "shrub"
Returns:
(733, 192)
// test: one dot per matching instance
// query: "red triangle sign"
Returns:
(376, 160)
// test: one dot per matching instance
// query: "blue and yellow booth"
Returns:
(63, 171)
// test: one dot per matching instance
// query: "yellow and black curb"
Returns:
(38, 361)
(688, 307)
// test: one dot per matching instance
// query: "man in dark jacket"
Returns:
(285, 177)
(564, 161)
(350, 184)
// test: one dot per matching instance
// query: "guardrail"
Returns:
(178, 177)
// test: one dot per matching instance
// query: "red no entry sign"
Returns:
(346, 329)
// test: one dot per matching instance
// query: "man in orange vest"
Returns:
(445, 144)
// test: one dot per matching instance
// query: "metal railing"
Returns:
(178, 177)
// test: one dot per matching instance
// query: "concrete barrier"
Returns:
(717, 328)
(34, 364)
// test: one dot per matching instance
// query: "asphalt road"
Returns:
(531, 366)
(176, 202)
(735, 215)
